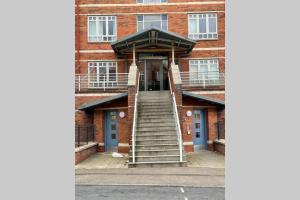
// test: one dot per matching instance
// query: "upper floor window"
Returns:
(146, 21)
(152, 1)
(102, 28)
(102, 74)
(203, 26)
(204, 69)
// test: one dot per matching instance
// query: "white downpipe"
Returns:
(179, 135)
(134, 120)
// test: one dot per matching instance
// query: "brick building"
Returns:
(132, 58)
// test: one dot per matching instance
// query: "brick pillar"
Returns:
(132, 88)
(212, 117)
(123, 134)
(99, 129)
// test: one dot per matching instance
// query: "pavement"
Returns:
(197, 159)
(103, 177)
(148, 193)
(103, 161)
(176, 176)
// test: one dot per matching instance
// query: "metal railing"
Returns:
(202, 79)
(84, 134)
(220, 127)
(135, 119)
(101, 81)
(177, 123)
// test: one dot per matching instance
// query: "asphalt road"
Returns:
(96, 192)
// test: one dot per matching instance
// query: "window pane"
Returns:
(140, 18)
(111, 28)
(202, 25)
(212, 25)
(92, 28)
(214, 68)
(140, 26)
(165, 25)
(193, 26)
(102, 28)
(102, 73)
(152, 17)
(203, 68)
(112, 74)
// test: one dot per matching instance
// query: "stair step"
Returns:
(157, 124)
(152, 142)
(160, 109)
(158, 164)
(157, 129)
(156, 120)
(157, 146)
(148, 137)
(159, 158)
(155, 132)
(161, 114)
(156, 152)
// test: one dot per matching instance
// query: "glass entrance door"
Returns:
(153, 74)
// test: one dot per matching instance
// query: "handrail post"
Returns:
(134, 119)
(177, 123)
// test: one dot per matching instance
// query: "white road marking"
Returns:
(185, 198)
(181, 189)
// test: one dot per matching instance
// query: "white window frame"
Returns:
(203, 36)
(208, 76)
(161, 20)
(145, 2)
(100, 38)
(102, 83)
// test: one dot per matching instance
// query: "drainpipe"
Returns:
(77, 35)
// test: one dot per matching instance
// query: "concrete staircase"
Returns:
(156, 136)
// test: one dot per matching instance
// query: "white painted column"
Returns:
(133, 55)
(173, 55)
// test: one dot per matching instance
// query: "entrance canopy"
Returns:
(153, 38)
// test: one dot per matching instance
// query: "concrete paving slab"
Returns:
(102, 161)
(205, 158)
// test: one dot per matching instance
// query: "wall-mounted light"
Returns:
(122, 114)
(189, 113)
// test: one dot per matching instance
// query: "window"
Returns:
(203, 26)
(204, 70)
(146, 21)
(102, 74)
(151, 1)
(102, 28)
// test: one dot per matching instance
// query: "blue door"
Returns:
(199, 125)
(111, 131)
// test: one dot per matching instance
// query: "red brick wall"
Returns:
(126, 25)
(219, 147)
(84, 154)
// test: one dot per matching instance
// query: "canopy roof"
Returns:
(218, 103)
(153, 37)
(91, 105)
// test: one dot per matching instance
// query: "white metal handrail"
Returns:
(135, 119)
(177, 123)
(101, 81)
(203, 79)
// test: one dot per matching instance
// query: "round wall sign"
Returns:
(188, 113)
(122, 114)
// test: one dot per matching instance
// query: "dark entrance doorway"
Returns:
(154, 74)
